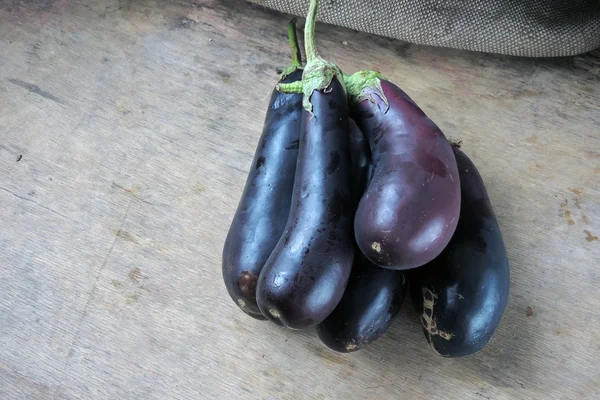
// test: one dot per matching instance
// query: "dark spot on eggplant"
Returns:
(247, 284)
(333, 104)
(306, 251)
(378, 133)
(431, 164)
(260, 162)
(334, 162)
(293, 145)
(366, 115)
(335, 210)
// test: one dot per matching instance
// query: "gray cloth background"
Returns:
(529, 28)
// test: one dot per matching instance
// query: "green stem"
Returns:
(296, 56)
(318, 73)
(310, 42)
(292, 87)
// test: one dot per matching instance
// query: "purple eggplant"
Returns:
(305, 276)
(265, 203)
(462, 294)
(410, 208)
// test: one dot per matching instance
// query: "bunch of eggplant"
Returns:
(353, 195)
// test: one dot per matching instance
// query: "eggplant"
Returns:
(370, 303)
(462, 294)
(305, 276)
(264, 206)
(374, 295)
(410, 208)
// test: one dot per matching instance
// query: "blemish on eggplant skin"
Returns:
(293, 146)
(247, 284)
(334, 162)
(260, 162)
(241, 303)
(376, 246)
(427, 320)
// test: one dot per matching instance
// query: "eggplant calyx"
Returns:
(362, 85)
(292, 87)
(284, 72)
(318, 72)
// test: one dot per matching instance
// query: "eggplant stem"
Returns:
(296, 55)
(318, 73)
(310, 42)
(293, 37)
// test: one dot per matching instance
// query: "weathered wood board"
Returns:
(126, 131)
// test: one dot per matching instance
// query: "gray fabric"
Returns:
(530, 28)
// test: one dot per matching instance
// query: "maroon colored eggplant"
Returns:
(304, 278)
(462, 294)
(410, 208)
(263, 209)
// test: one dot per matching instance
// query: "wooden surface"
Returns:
(126, 131)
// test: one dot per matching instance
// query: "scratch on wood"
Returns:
(121, 234)
(38, 204)
(130, 192)
(37, 90)
(89, 299)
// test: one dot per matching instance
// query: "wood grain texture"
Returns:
(126, 132)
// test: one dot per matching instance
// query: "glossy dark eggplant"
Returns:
(410, 208)
(305, 276)
(370, 303)
(462, 294)
(263, 209)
